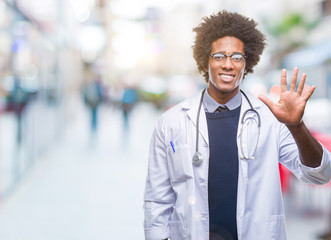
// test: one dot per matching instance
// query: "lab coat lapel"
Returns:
(243, 178)
(192, 107)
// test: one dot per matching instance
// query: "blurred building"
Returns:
(314, 58)
(44, 46)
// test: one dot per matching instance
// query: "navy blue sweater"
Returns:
(223, 173)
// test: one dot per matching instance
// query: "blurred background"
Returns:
(83, 82)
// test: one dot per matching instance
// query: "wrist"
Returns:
(295, 128)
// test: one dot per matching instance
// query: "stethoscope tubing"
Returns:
(198, 157)
(197, 122)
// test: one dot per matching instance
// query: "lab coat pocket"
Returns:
(177, 230)
(180, 163)
(277, 227)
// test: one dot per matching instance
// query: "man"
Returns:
(215, 175)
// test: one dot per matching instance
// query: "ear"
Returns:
(205, 69)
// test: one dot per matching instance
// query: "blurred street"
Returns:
(85, 188)
(92, 188)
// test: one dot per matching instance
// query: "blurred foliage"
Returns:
(290, 22)
(289, 32)
(158, 99)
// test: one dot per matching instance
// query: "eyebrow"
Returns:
(223, 52)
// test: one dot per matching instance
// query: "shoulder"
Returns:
(179, 112)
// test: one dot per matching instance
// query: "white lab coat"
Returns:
(176, 194)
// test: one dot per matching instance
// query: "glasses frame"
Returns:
(225, 59)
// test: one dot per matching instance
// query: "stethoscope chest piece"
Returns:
(197, 158)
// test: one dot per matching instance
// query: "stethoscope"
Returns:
(198, 157)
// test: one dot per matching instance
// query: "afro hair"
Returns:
(227, 24)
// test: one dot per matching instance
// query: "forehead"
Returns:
(227, 45)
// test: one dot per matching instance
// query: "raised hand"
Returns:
(291, 105)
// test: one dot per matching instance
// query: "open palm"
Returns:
(291, 105)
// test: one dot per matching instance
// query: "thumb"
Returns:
(270, 104)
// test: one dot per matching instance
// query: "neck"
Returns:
(220, 96)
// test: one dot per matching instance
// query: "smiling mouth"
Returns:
(227, 77)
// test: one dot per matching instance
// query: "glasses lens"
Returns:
(219, 57)
(238, 58)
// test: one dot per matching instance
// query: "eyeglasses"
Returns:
(236, 58)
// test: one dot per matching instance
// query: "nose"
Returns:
(228, 63)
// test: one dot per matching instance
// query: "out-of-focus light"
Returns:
(154, 85)
(128, 43)
(81, 10)
(169, 4)
(44, 10)
(92, 38)
(121, 9)
(83, 16)
(137, 9)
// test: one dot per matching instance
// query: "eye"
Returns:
(219, 56)
(237, 57)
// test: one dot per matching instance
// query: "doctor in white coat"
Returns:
(184, 157)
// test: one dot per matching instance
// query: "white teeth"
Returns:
(226, 76)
